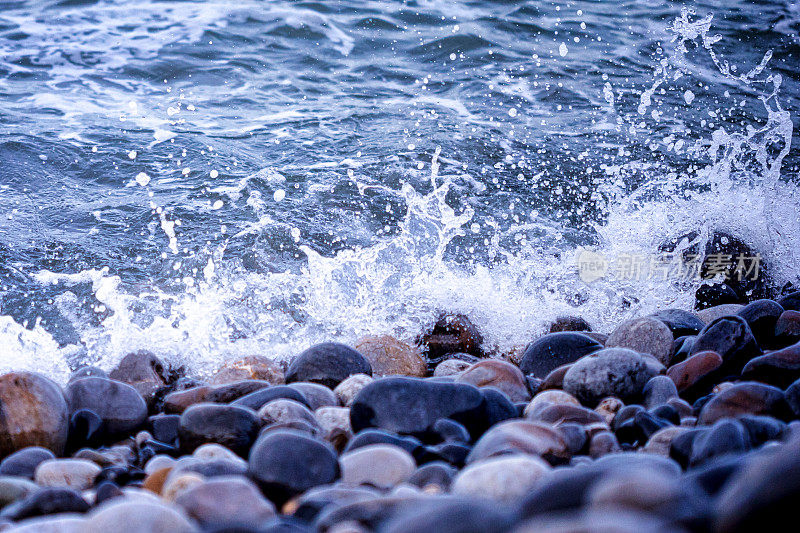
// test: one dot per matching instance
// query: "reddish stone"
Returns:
(501, 375)
(780, 368)
(691, 371)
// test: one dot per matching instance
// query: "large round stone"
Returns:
(615, 372)
(681, 323)
(233, 427)
(388, 356)
(144, 372)
(23, 463)
(32, 413)
(743, 398)
(226, 500)
(412, 406)
(125, 515)
(731, 338)
(501, 375)
(553, 350)
(328, 363)
(287, 462)
(644, 335)
(377, 465)
(504, 478)
(520, 437)
(120, 406)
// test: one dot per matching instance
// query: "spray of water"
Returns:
(399, 284)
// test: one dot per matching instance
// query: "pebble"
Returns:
(452, 333)
(411, 406)
(177, 482)
(504, 478)
(283, 411)
(144, 372)
(608, 408)
(379, 465)
(603, 443)
(503, 376)
(618, 372)
(78, 474)
(548, 397)
(388, 357)
(233, 427)
(779, 368)
(225, 500)
(658, 391)
(710, 314)
(23, 462)
(286, 463)
(62, 523)
(328, 364)
(14, 488)
(745, 398)
(681, 323)
(553, 350)
(731, 338)
(518, 436)
(32, 413)
(346, 390)
(644, 335)
(724, 437)
(449, 515)
(121, 516)
(761, 316)
(763, 492)
(253, 367)
(256, 400)
(787, 329)
(451, 367)
(569, 323)
(334, 423)
(44, 501)
(567, 413)
(693, 377)
(434, 477)
(659, 442)
(120, 406)
(316, 395)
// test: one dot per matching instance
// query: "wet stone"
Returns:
(451, 367)
(603, 443)
(226, 500)
(328, 364)
(553, 350)
(32, 413)
(761, 316)
(231, 426)
(346, 390)
(78, 474)
(452, 333)
(731, 338)
(14, 488)
(501, 375)
(144, 372)
(253, 367)
(694, 376)
(315, 395)
(334, 423)
(412, 406)
(504, 478)
(658, 391)
(518, 436)
(681, 323)
(377, 465)
(388, 356)
(120, 406)
(23, 462)
(787, 329)
(779, 368)
(569, 323)
(644, 335)
(615, 372)
(745, 398)
(286, 463)
(45, 501)
(122, 516)
(258, 399)
(434, 477)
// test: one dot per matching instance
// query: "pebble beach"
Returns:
(677, 421)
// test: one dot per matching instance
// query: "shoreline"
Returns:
(673, 421)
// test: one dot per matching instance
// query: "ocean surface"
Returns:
(207, 179)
